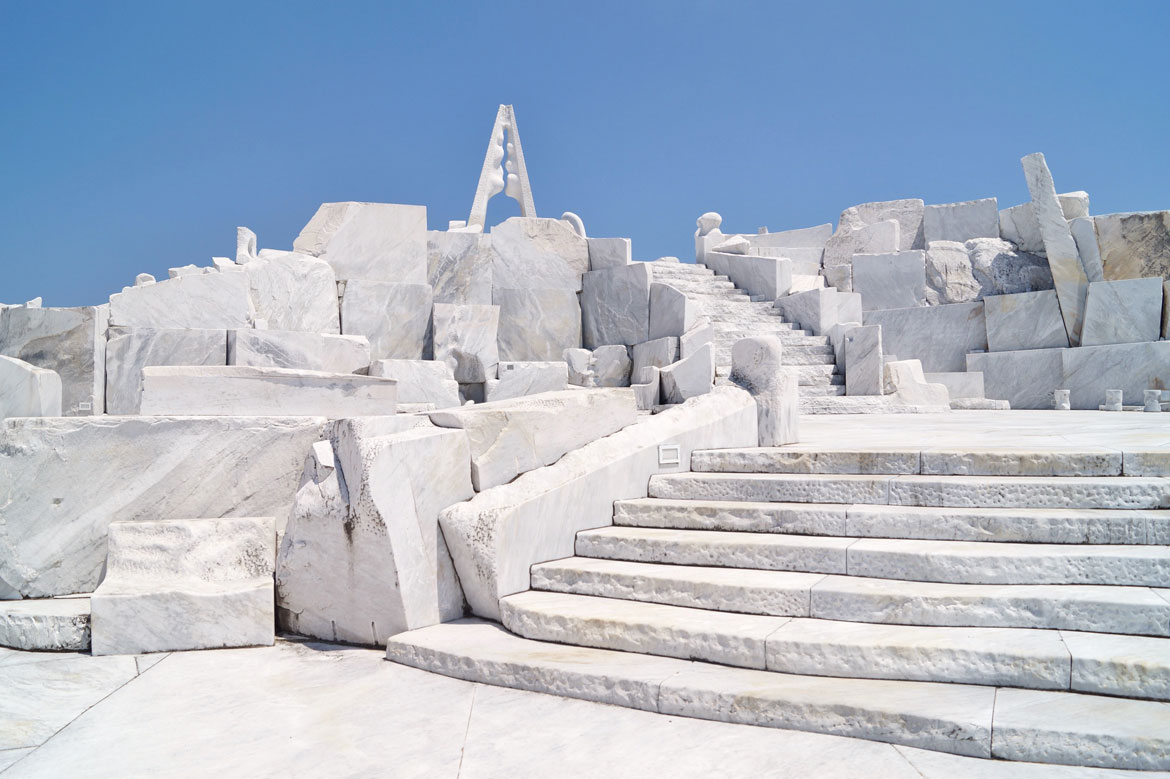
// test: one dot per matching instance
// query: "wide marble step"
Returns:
(45, 624)
(1118, 492)
(981, 721)
(793, 357)
(929, 523)
(1092, 608)
(1128, 666)
(957, 562)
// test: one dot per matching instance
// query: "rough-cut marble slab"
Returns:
(939, 336)
(1002, 270)
(176, 584)
(1026, 379)
(45, 624)
(908, 213)
(960, 384)
(296, 350)
(1027, 320)
(363, 558)
(1019, 226)
(689, 377)
(694, 339)
(394, 317)
(657, 353)
(615, 305)
(1132, 368)
(756, 365)
(241, 391)
(609, 252)
(1123, 312)
(129, 350)
(28, 391)
(459, 267)
(372, 241)
(671, 313)
(533, 253)
(212, 301)
(511, 437)
(537, 324)
(146, 468)
(420, 381)
(949, 275)
(1074, 205)
(1068, 274)
(877, 238)
(69, 341)
(611, 366)
(768, 277)
(804, 237)
(815, 310)
(1134, 245)
(465, 339)
(863, 360)
(294, 292)
(518, 379)
(890, 280)
(961, 221)
(1084, 232)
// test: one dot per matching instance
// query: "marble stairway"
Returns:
(1010, 604)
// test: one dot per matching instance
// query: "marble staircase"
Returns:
(1012, 604)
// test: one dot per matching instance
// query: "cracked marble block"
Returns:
(459, 267)
(394, 317)
(518, 379)
(615, 305)
(177, 584)
(1027, 320)
(535, 253)
(1120, 312)
(887, 281)
(28, 391)
(71, 342)
(961, 221)
(465, 339)
(537, 324)
(293, 291)
(371, 241)
(420, 381)
(297, 350)
(130, 349)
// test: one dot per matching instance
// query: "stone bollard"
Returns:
(755, 366)
(1113, 400)
(1062, 400)
(1153, 400)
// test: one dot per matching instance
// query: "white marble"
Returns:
(498, 174)
(756, 365)
(129, 350)
(815, 311)
(940, 336)
(863, 361)
(768, 277)
(689, 377)
(465, 339)
(245, 245)
(1026, 378)
(394, 317)
(1134, 245)
(1019, 226)
(671, 313)
(243, 391)
(905, 380)
(297, 350)
(1027, 320)
(28, 391)
(1084, 232)
(420, 381)
(536, 324)
(890, 280)
(44, 624)
(531, 253)
(459, 267)
(518, 379)
(178, 584)
(879, 237)
(68, 341)
(949, 275)
(657, 353)
(293, 291)
(609, 253)
(615, 305)
(1125, 311)
(908, 213)
(371, 241)
(611, 366)
(961, 221)
(212, 301)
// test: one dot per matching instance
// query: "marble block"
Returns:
(363, 558)
(814, 310)
(962, 384)
(518, 379)
(371, 241)
(671, 312)
(1027, 320)
(212, 301)
(694, 339)
(1026, 379)
(878, 238)
(1121, 312)
(395, 318)
(1001, 270)
(1134, 368)
(1084, 232)
(863, 360)
(294, 292)
(459, 267)
(240, 391)
(839, 277)
(961, 221)
(801, 238)
(534, 253)
(579, 367)
(1074, 205)
(949, 275)
(905, 380)
(689, 377)
(895, 280)
(1068, 275)
(420, 381)
(510, 437)
(1166, 310)
(129, 350)
(28, 391)
(767, 277)
(144, 468)
(465, 339)
(609, 253)
(657, 353)
(537, 324)
(1113, 400)
(756, 367)
(177, 584)
(1134, 245)
(907, 213)
(71, 342)
(615, 305)
(611, 366)
(299, 351)
(939, 336)
(1018, 225)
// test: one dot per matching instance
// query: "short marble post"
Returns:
(1153, 400)
(1113, 400)
(1062, 400)
(755, 366)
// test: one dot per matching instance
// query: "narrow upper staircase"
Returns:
(1008, 604)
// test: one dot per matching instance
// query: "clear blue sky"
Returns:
(135, 136)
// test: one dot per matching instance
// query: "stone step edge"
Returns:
(695, 634)
(484, 652)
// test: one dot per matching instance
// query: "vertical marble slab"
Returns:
(863, 360)
(1123, 312)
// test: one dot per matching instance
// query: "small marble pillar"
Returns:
(755, 366)
(1153, 400)
(1113, 400)
(1062, 400)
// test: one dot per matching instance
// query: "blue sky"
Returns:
(135, 136)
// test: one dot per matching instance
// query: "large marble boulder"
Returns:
(533, 253)
(967, 272)
(372, 241)
(297, 351)
(209, 301)
(459, 267)
(293, 291)
(949, 276)
(465, 339)
(176, 584)
(537, 324)
(513, 436)
(420, 381)
(615, 305)
(54, 539)
(1134, 245)
(28, 391)
(130, 349)
(362, 558)
(71, 342)
(394, 317)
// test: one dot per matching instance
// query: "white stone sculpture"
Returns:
(756, 366)
(574, 222)
(500, 173)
